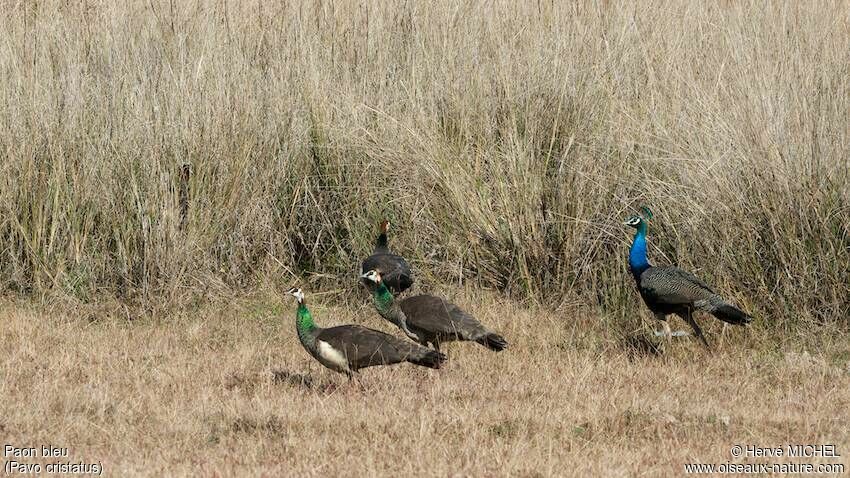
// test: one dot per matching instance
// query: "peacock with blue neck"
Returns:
(638, 261)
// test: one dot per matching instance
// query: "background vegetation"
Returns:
(505, 142)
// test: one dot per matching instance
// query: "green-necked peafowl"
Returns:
(348, 348)
(670, 290)
(429, 319)
(397, 277)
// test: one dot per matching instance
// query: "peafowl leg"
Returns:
(355, 381)
(689, 316)
(666, 332)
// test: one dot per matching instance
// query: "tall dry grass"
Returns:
(506, 142)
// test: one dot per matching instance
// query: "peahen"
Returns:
(670, 290)
(348, 348)
(397, 272)
(430, 319)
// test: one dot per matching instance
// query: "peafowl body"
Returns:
(670, 290)
(348, 348)
(397, 272)
(430, 319)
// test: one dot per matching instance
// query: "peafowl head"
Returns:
(296, 292)
(385, 226)
(636, 220)
(372, 276)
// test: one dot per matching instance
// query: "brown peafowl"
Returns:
(348, 348)
(429, 319)
(397, 272)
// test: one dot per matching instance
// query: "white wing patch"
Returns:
(332, 355)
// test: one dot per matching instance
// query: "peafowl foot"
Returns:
(674, 333)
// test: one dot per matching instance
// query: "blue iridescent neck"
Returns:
(637, 254)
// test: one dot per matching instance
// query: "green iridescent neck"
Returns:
(304, 322)
(383, 298)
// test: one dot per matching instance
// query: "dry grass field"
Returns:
(228, 390)
(168, 167)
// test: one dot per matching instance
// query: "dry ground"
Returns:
(227, 390)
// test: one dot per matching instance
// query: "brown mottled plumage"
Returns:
(348, 348)
(436, 320)
(430, 319)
